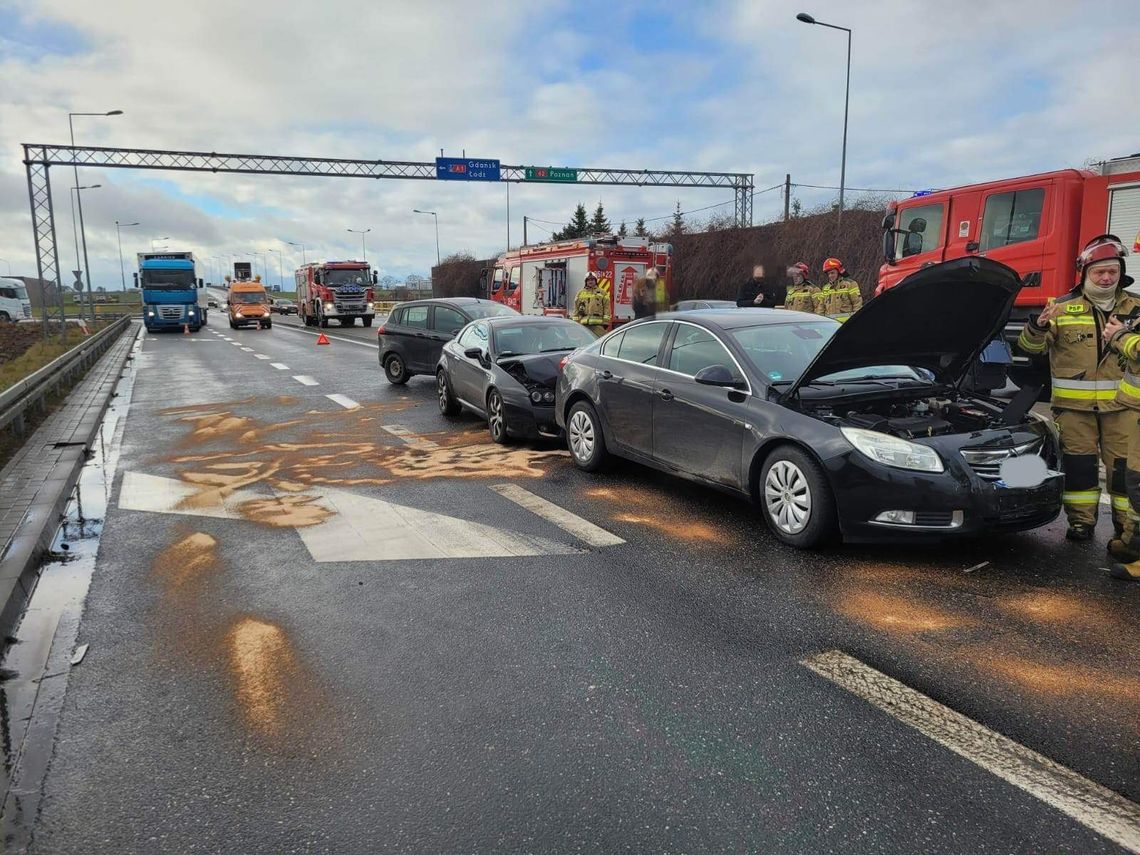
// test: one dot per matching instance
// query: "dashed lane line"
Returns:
(261, 356)
(344, 401)
(1098, 808)
(305, 380)
(248, 349)
(414, 440)
(582, 529)
(280, 366)
(330, 335)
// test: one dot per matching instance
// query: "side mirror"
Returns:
(375, 277)
(483, 281)
(200, 285)
(474, 353)
(718, 375)
(136, 279)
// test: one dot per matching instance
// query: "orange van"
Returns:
(248, 305)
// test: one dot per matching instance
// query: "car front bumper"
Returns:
(528, 420)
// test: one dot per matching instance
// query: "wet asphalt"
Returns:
(239, 696)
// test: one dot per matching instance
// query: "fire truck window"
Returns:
(920, 230)
(416, 316)
(1012, 217)
(448, 320)
(497, 282)
(513, 282)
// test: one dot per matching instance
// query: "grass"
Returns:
(39, 354)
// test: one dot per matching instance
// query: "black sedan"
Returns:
(413, 336)
(858, 429)
(504, 370)
(283, 307)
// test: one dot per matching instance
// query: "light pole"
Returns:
(85, 270)
(6, 261)
(434, 214)
(153, 241)
(79, 204)
(280, 276)
(363, 249)
(119, 237)
(255, 255)
(304, 260)
(808, 19)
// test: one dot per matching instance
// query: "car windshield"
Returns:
(494, 310)
(781, 353)
(346, 277)
(168, 280)
(248, 298)
(540, 338)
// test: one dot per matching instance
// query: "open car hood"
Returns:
(540, 368)
(940, 319)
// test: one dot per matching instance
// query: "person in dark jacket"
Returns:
(759, 291)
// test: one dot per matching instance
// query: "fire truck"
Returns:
(1036, 224)
(335, 290)
(545, 279)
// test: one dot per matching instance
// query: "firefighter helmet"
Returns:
(802, 268)
(1101, 248)
(833, 264)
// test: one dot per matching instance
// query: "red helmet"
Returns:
(1101, 248)
(833, 264)
(801, 267)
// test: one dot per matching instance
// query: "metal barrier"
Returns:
(30, 392)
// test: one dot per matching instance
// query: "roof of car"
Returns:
(446, 301)
(735, 318)
(533, 320)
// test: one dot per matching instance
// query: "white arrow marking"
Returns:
(141, 492)
(582, 529)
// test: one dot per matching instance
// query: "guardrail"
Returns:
(30, 392)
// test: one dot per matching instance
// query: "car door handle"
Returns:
(421, 335)
(609, 375)
(665, 394)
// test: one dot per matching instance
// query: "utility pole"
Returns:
(524, 229)
(508, 216)
(787, 196)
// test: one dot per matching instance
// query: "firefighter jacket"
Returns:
(802, 298)
(1127, 344)
(1084, 371)
(840, 300)
(592, 307)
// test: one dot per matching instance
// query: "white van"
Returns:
(14, 302)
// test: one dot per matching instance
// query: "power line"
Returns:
(856, 189)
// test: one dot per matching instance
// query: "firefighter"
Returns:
(803, 296)
(1086, 376)
(592, 308)
(840, 296)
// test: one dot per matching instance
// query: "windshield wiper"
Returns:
(556, 349)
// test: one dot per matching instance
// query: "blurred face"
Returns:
(1103, 274)
(758, 271)
(797, 276)
(833, 276)
(591, 283)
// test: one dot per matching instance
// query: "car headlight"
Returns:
(237, 313)
(370, 307)
(892, 451)
(150, 314)
(329, 307)
(191, 313)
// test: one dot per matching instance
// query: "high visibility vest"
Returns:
(1085, 374)
(592, 308)
(840, 300)
(802, 298)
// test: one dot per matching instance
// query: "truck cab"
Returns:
(172, 295)
(248, 305)
(14, 302)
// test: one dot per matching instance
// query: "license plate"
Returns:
(1023, 473)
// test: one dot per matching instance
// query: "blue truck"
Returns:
(172, 294)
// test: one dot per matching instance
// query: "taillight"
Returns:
(562, 362)
(380, 331)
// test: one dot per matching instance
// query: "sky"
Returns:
(941, 95)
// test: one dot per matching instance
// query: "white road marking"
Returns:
(142, 492)
(261, 356)
(280, 366)
(410, 438)
(248, 349)
(305, 380)
(367, 529)
(236, 343)
(1096, 807)
(582, 529)
(327, 334)
(344, 401)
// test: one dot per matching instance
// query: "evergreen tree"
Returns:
(622, 232)
(578, 227)
(599, 225)
(678, 220)
(639, 230)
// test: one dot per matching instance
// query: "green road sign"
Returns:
(551, 173)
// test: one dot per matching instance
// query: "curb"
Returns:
(19, 569)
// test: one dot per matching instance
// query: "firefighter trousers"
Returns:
(1085, 437)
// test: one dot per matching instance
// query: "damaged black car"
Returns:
(504, 370)
(858, 430)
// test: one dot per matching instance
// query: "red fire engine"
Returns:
(1036, 225)
(335, 290)
(545, 279)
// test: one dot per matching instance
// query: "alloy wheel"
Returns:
(787, 497)
(581, 436)
(495, 415)
(441, 387)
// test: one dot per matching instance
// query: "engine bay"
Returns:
(915, 419)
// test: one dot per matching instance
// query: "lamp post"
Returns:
(79, 204)
(434, 214)
(280, 276)
(304, 260)
(363, 249)
(119, 237)
(80, 266)
(6, 261)
(808, 19)
(155, 240)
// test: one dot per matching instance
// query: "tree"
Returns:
(622, 231)
(389, 282)
(599, 225)
(639, 230)
(578, 227)
(797, 208)
(678, 220)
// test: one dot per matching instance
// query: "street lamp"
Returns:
(808, 19)
(304, 260)
(6, 261)
(280, 276)
(153, 241)
(79, 204)
(362, 234)
(119, 237)
(80, 269)
(434, 214)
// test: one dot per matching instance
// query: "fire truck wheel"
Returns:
(323, 320)
(367, 321)
(496, 417)
(584, 437)
(395, 370)
(448, 406)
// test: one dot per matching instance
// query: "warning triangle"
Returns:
(322, 339)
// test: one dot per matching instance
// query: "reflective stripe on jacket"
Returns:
(843, 298)
(802, 298)
(592, 308)
(1085, 373)
(1127, 344)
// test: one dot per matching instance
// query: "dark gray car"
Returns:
(504, 370)
(414, 334)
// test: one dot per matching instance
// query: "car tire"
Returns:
(584, 437)
(366, 321)
(233, 326)
(448, 406)
(396, 370)
(324, 322)
(796, 499)
(5, 318)
(497, 417)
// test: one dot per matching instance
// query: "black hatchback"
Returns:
(414, 334)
